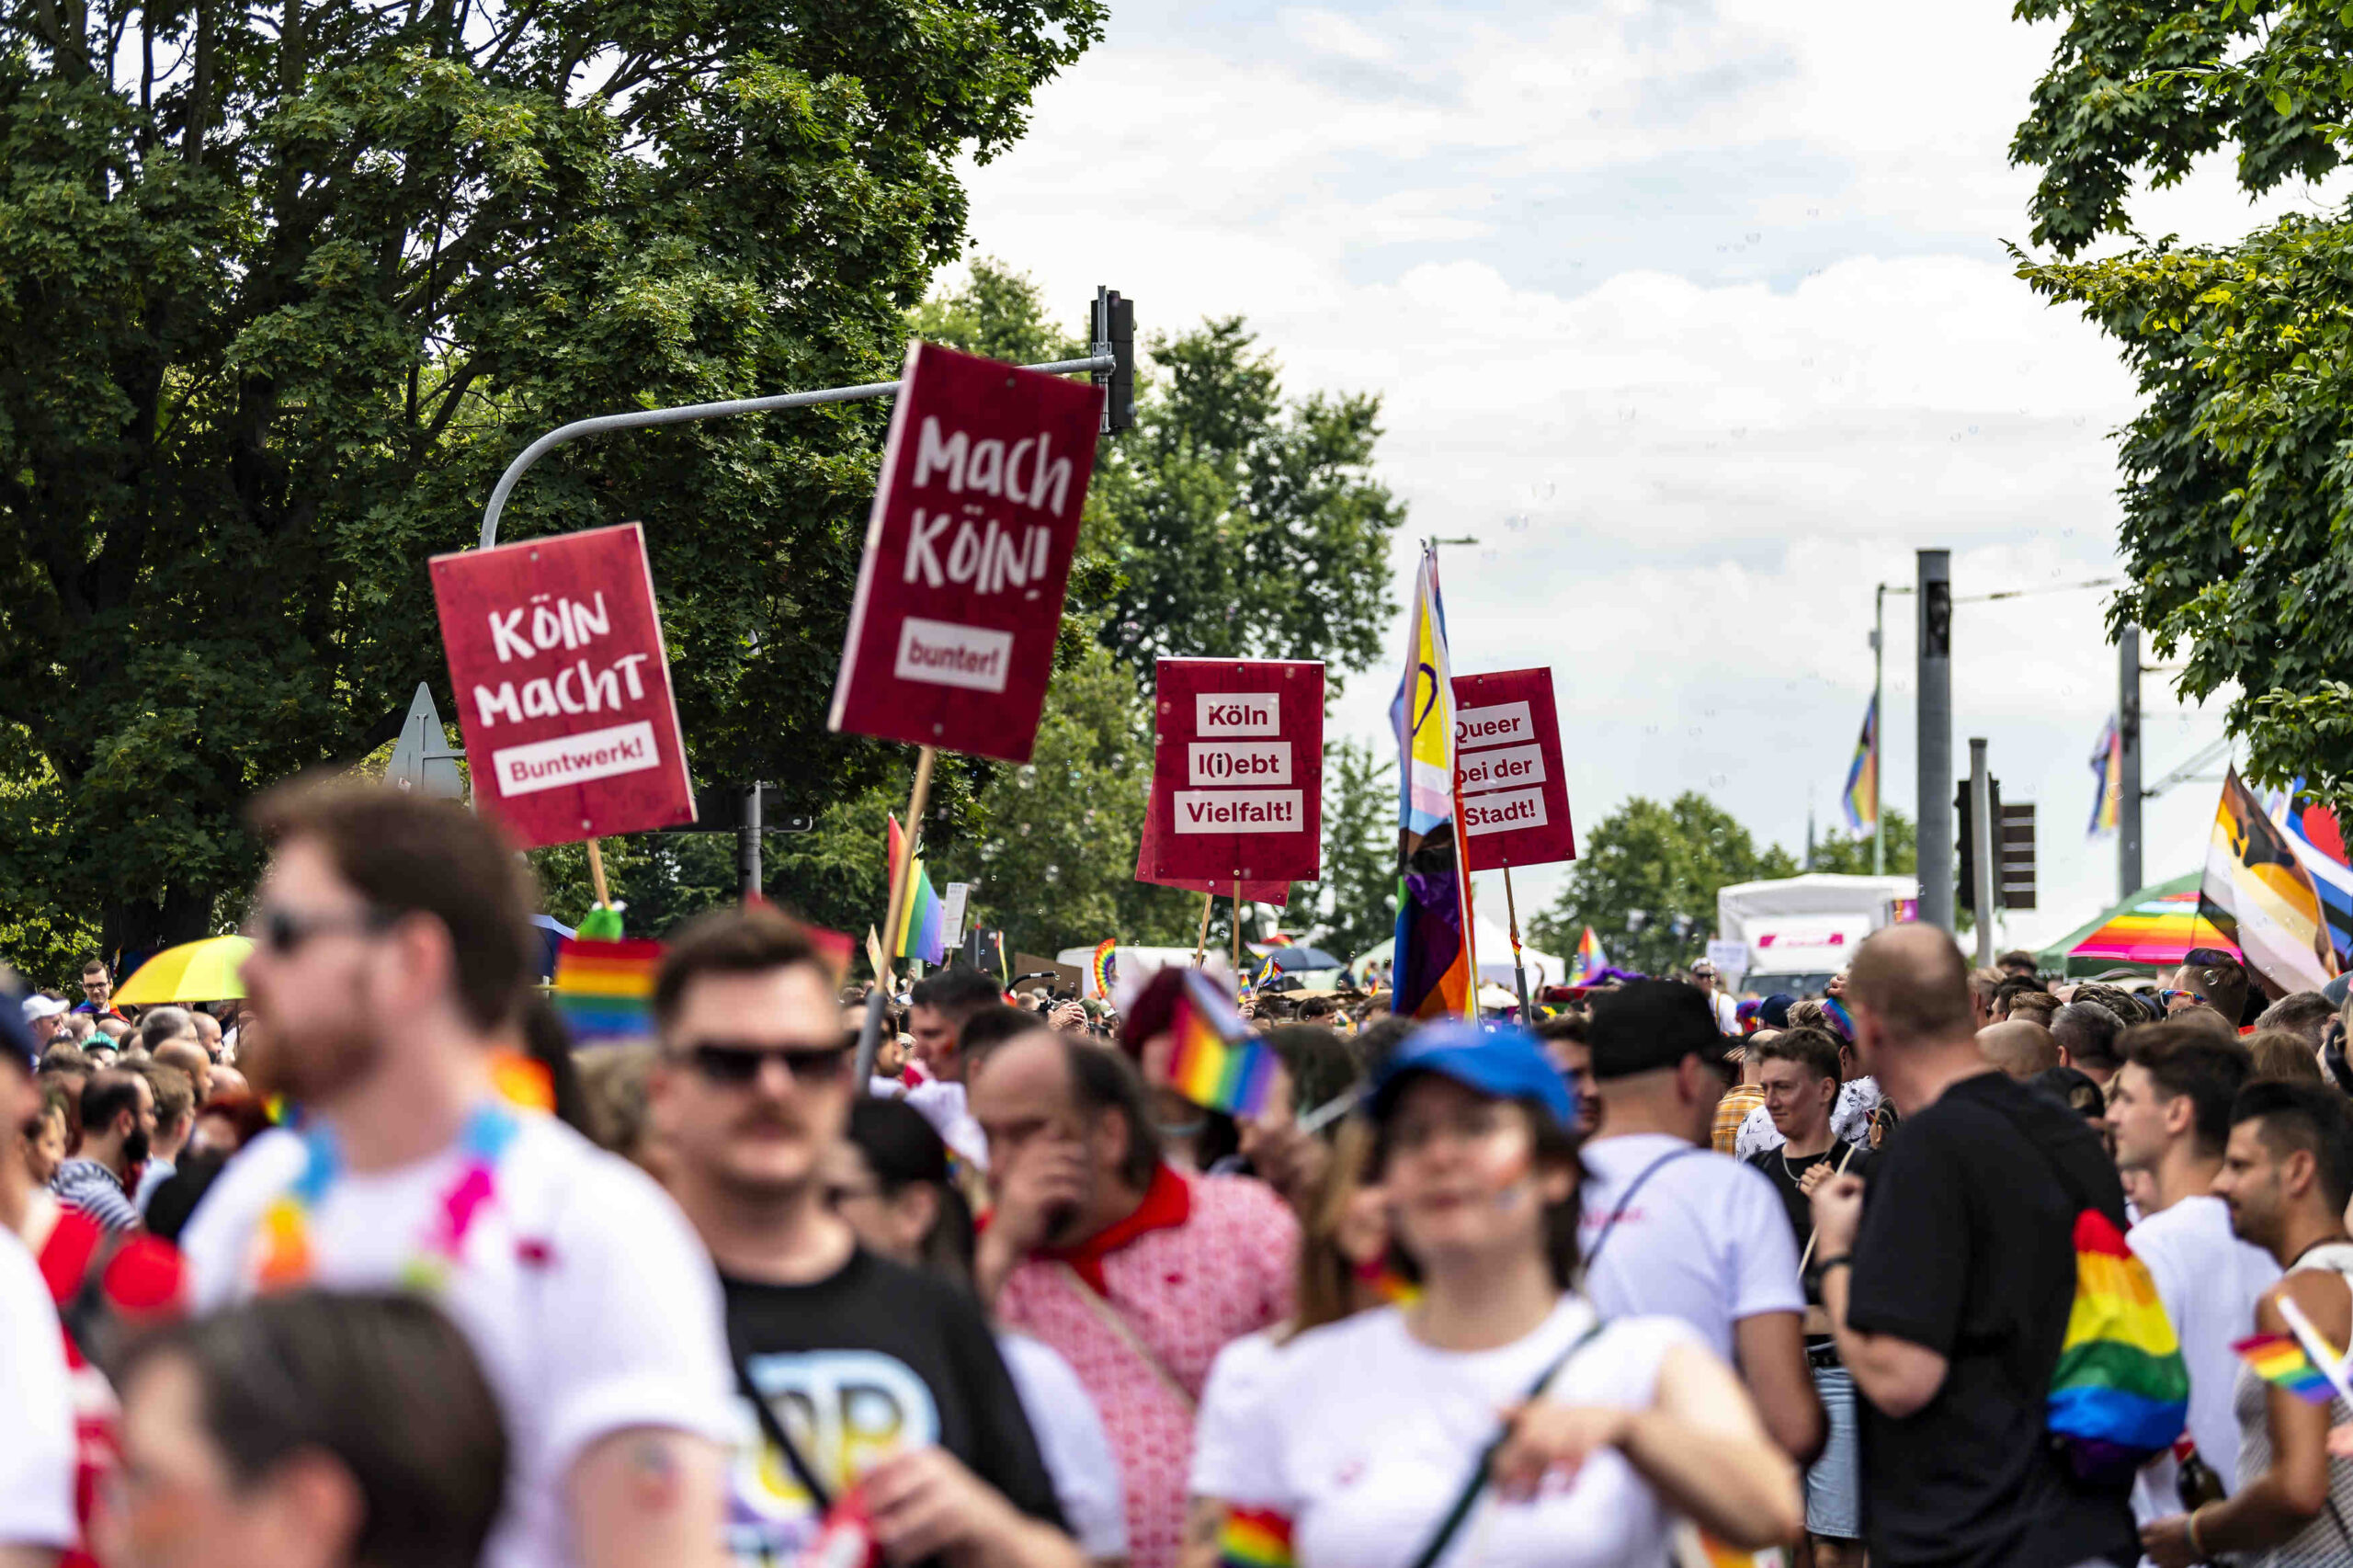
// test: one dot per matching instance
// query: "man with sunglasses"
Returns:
(871, 1395)
(392, 952)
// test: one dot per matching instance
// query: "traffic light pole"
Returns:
(1110, 360)
(1987, 846)
(1935, 738)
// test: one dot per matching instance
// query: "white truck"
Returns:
(1798, 931)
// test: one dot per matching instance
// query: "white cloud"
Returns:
(1698, 318)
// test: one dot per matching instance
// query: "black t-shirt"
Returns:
(1785, 1171)
(1967, 1248)
(876, 1359)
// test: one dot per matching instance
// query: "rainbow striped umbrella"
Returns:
(2151, 930)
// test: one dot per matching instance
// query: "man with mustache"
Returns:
(871, 1397)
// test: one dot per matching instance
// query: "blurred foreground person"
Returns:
(36, 1462)
(306, 1430)
(391, 953)
(2287, 1174)
(1498, 1420)
(1949, 1284)
(875, 1400)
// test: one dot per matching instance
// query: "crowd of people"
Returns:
(305, 1277)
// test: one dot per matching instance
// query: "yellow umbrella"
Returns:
(193, 971)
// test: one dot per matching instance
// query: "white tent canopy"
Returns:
(1494, 957)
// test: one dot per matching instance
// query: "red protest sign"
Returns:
(1507, 763)
(968, 551)
(1275, 891)
(563, 686)
(1238, 772)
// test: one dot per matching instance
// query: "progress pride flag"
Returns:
(1237, 773)
(563, 686)
(1507, 765)
(967, 553)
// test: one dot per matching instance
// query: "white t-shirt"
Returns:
(1229, 1440)
(2209, 1280)
(942, 1105)
(588, 1298)
(1072, 1441)
(1369, 1433)
(1706, 1240)
(36, 1460)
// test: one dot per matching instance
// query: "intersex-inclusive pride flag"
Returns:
(1589, 961)
(2258, 893)
(605, 990)
(2108, 768)
(1216, 1062)
(922, 923)
(1861, 799)
(1432, 956)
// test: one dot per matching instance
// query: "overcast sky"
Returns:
(1696, 317)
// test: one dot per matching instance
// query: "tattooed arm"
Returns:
(647, 1497)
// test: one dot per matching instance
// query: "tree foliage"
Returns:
(1850, 854)
(282, 287)
(1356, 902)
(1645, 880)
(2236, 533)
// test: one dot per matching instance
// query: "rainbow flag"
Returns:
(2279, 1360)
(1104, 966)
(922, 924)
(605, 990)
(2120, 1392)
(1216, 1062)
(2108, 766)
(1253, 1538)
(1434, 963)
(1861, 799)
(1589, 961)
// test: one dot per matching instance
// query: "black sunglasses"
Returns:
(734, 1064)
(281, 931)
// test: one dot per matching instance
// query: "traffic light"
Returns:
(1965, 843)
(1112, 327)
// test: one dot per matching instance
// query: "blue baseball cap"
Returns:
(1507, 1063)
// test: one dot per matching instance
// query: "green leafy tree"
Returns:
(283, 286)
(1851, 856)
(1645, 880)
(1055, 850)
(1247, 527)
(1356, 901)
(2236, 530)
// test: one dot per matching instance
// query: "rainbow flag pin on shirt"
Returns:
(1216, 1062)
(1253, 1538)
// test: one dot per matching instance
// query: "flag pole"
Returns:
(1879, 682)
(870, 1034)
(1201, 938)
(1462, 844)
(1519, 969)
(596, 874)
(1237, 931)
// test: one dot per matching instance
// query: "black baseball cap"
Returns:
(1648, 1024)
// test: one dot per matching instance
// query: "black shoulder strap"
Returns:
(1476, 1482)
(773, 1430)
(1625, 1199)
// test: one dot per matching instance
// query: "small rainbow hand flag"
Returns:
(921, 933)
(605, 990)
(1216, 1062)
(1253, 1538)
(2281, 1361)
(1106, 966)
